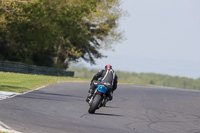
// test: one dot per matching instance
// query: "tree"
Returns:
(57, 32)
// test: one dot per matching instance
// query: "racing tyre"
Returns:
(96, 101)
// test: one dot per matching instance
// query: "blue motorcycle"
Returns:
(99, 99)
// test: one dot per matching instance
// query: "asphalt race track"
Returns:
(61, 108)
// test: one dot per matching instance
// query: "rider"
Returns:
(105, 77)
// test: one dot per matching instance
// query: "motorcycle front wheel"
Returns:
(94, 105)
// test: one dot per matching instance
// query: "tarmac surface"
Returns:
(61, 108)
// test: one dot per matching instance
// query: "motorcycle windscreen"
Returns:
(102, 89)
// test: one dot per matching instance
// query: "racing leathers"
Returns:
(103, 77)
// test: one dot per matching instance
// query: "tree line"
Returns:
(144, 78)
(57, 32)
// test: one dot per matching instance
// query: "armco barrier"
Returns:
(7, 66)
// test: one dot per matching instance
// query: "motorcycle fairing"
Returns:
(102, 89)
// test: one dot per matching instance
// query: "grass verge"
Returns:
(16, 82)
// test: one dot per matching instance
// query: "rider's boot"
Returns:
(110, 96)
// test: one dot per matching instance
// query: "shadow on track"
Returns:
(51, 96)
(112, 107)
(108, 114)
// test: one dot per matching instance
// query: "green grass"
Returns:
(15, 82)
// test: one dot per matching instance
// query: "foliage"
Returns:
(144, 78)
(57, 32)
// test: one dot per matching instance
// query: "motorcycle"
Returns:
(99, 99)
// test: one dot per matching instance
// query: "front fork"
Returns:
(91, 100)
(103, 101)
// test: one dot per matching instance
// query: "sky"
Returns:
(162, 36)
